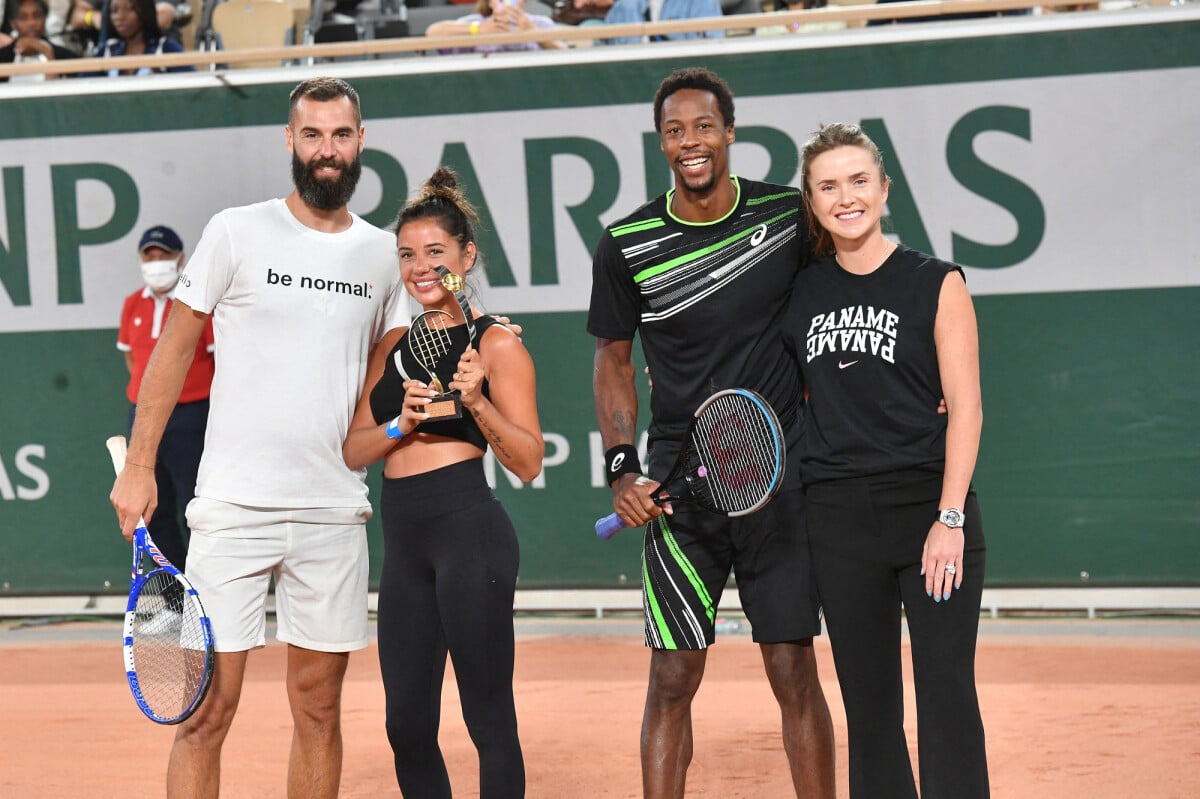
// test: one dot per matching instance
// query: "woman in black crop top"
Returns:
(450, 550)
(882, 333)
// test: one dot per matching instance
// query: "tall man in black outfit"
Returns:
(704, 273)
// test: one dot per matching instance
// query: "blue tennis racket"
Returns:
(168, 641)
(732, 460)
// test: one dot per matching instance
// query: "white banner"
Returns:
(1106, 170)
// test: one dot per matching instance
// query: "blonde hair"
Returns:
(826, 138)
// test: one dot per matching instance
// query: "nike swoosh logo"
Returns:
(844, 365)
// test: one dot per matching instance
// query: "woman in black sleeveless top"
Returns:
(883, 333)
(450, 550)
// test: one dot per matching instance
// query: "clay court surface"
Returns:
(1074, 709)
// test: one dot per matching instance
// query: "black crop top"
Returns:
(388, 394)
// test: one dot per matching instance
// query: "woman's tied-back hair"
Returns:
(826, 138)
(443, 201)
(694, 78)
(322, 90)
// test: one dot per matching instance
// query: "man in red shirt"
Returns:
(142, 319)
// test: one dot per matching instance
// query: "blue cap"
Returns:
(161, 236)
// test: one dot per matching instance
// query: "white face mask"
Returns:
(160, 276)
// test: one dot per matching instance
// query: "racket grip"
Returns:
(609, 526)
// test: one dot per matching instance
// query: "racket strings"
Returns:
(429, 342)
(169, 646)
(739, 449)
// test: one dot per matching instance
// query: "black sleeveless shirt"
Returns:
(388, 395)
(865, 345)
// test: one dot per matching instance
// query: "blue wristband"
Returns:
(393, 429)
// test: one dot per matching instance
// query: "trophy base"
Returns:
(446, 406)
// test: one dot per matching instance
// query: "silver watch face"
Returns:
(951, 517)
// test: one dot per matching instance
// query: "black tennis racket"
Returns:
(732, 460)
(168, 641)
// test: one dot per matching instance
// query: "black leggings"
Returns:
(449, 571)
(866, 539)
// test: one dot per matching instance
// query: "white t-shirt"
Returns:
(295, 313)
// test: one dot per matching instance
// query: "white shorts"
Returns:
(317, 556)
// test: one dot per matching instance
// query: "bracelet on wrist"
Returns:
(619, 460)
(393, 429)
(142, 465)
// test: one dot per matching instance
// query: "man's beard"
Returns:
(701, 185)
(321, 193)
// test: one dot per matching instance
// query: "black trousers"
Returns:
(867, 536)
(175, 471)
(450, 563)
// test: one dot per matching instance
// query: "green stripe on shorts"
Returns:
(689, 571)
(655, 611)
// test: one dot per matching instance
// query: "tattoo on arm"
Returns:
(624, 423)
(493, 435)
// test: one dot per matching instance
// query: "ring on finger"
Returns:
(951, 569)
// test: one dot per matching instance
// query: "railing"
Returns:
(852, 14)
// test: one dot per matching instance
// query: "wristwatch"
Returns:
(951, 517)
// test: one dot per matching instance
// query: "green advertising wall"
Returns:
(1051, 158)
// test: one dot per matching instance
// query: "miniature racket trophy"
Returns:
(429, 340)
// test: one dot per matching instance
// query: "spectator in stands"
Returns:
(135, 23)
(8, 12)
(496, 16)
(161, 253)
(27, 21)
(82, 32)
(627, 11)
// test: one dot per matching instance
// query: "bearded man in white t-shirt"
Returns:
(298, 289)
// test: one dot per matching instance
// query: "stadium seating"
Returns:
(246, 24)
